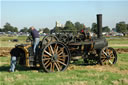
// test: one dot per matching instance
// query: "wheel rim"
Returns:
(108, 56)
(49, 38)
(55, 57)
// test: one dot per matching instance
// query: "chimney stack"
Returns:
(99, 25)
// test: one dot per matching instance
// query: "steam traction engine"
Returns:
(55, 51)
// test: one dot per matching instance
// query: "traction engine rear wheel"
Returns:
(49, 38)
(55, 57)
(108, 56)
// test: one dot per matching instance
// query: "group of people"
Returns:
(35, 36)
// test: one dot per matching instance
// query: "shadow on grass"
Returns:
(19, 68)
(5, 68)
(80, 63)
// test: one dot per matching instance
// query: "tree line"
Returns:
(121, 27)
(7, 27)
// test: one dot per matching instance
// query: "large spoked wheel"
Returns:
(55, 57)
(108, 56)
(49, 38)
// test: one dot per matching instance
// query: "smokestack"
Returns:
(99, 25)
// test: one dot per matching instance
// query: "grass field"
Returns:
(5, 41)
(77, 73)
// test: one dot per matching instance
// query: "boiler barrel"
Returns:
(100, 43)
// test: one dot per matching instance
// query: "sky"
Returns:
(44, 13)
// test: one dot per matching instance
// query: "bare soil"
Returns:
(121, 50)
(5, 51)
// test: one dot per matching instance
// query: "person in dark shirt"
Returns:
(35, 36)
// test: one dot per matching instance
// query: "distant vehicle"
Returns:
(104, 33)
(119, 34)
(15, 40)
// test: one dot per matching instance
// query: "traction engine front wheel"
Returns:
(108, 56)
(55, 57)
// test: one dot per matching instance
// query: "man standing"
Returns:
(35, 36)
(14, 54)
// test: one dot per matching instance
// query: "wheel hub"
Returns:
(108, 57)
(54, 57)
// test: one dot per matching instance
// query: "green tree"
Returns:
(106, 29)
(58, 29)
(69, 26)
(15, 29)
(46, 30)
(94, 28)
(8, 27)
(25, 29)
(78, 26)
(114, 29)
(121, 27)
(127, 27)
(1, 30)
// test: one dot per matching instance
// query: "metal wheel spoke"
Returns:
(105, 53)
(103, 60)
(110, 51)
(60, 53)
(46, 62)
(61, 50)
(47, 53)
(61, 59)
(62, 63)
(46, 56)
(49, 49)
(111, 55)
(110, 61)
(52, 49)
(51, 67)
(48, 65)
(63, 56)
(56, 66)
(103, 56)
(55, 48)
(46, 59)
